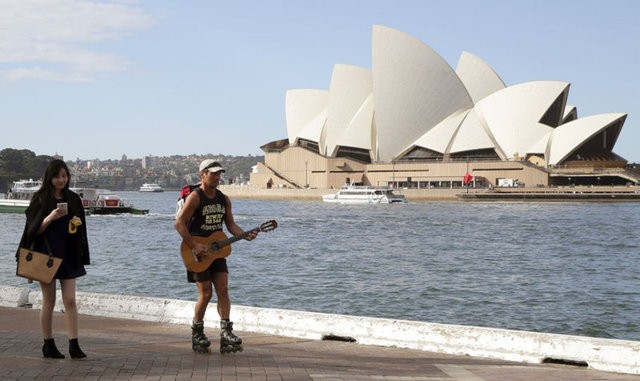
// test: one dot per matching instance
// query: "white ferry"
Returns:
(103, 201)
(13, 205)
(351, 194)
(23, 189)
(17, 199)
(94, 201)
(150, 187)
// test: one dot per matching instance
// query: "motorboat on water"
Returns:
(103, 201)
(151, 187)
(17, 199)
(23, 189)
(8, 205)
(352, 194)
(94, 201)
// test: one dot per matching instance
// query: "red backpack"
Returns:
(186, 190)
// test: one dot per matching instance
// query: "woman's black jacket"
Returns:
(39, 208)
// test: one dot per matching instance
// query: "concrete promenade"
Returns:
(132, 337)
(124, 349)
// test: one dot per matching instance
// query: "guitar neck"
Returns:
(235, 238)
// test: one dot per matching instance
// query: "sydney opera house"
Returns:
(412, 121)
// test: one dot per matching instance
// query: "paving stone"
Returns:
(120, 349)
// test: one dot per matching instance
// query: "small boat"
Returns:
(151, 187)
(17, 199)
(94, 201)
(352, 194)
(13, 206)
(103, 201)
(23, 189)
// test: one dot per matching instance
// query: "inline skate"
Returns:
(199, 341)
(229, 343)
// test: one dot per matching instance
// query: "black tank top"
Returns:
(209, 216)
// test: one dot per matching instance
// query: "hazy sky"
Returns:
(99, 79)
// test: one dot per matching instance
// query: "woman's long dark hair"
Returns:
(47, 190)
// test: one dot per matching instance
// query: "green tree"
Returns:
(20, 164)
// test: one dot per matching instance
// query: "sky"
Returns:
(102, 79)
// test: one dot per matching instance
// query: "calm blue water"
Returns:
(570, 268)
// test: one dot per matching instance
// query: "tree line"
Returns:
(18, 164)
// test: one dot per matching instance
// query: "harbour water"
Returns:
(568, 268)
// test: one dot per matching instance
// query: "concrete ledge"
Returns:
(243, 191)
(13, 296)
(529, 347)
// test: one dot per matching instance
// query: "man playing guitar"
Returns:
(203, 213)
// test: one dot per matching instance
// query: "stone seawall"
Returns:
(610, 355)
(239, 191)
(437, 194)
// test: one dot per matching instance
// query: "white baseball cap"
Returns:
(211, 166)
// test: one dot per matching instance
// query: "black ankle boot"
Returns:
(74, 350)
(49, 350)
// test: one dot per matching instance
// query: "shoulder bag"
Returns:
(35, 265)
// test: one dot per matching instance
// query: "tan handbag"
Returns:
(34, 265)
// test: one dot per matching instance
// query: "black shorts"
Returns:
(218, 266)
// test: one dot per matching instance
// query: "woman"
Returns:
(56, 224)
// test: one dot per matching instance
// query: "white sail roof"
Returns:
(513, 114)
(478, 77)
(567, 138)
(348, 117)
(570, 113)
(414, 89)
(540, 146)
(306, 113)
(472, 135)
(413, 98)
(359, 129)
(438, 138)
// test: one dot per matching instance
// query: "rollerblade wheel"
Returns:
(228, 348)
(201, 348)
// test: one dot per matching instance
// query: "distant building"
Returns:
(149, 162)
(413, 121)
(93, 164)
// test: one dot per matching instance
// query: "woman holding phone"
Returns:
(56, 224)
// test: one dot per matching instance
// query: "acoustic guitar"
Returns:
(219, 246)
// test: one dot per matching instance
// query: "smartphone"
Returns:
(64, 206)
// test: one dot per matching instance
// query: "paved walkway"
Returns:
(120, 349)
